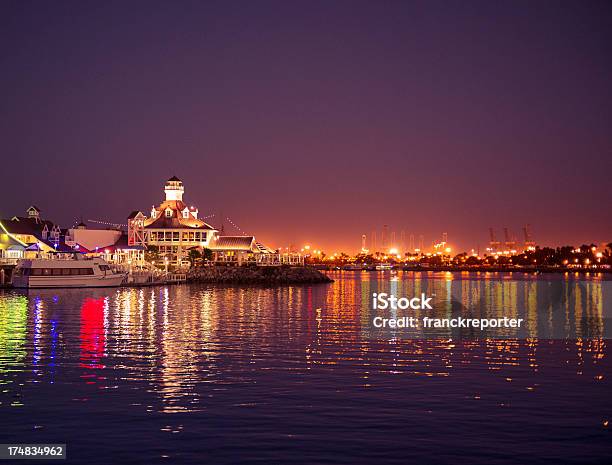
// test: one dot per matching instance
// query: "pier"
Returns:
(7, 265)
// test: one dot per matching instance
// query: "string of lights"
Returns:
(106, 223)
(236, 226)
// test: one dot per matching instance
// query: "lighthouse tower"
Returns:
(174, 189)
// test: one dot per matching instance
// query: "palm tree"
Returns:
(608, 252)
(194, 255)
(207, 254)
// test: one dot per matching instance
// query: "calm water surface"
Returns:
(202, 374)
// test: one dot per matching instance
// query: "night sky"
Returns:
(314, 121)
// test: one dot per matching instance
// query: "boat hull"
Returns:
(37, 282)
(57, 273)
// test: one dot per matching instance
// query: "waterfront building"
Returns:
(111, 244)
(174, 228)
(33, 237)
(91, 239)
(22, 232)
(241, 249)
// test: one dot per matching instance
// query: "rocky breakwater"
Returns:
(258, 275)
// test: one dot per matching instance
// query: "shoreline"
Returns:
(481, 269)
(292, 275)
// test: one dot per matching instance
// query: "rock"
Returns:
(283, 274)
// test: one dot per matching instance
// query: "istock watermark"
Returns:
(383, 301)
(464, 308)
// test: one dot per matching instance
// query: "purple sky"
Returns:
(314, 121)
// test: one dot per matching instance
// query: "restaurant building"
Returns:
(174, 228)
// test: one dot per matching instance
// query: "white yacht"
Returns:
(74, 272)
(384, 267)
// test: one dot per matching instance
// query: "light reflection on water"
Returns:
(551, 307)
(276, 371)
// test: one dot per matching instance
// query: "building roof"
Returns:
(134, 214)
(163, 222)
(31, 226)
(263, 249)
(176, 221)
(7, 241)
(174, 178)
(233, 243)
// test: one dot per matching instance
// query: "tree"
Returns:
(152, 254)
(207, 254)
(433, 260)
(194, 255)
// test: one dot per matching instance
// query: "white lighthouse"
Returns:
(174, 189)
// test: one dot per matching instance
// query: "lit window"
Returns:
(186, 214)
(168, 213)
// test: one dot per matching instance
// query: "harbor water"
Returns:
(199, 373)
